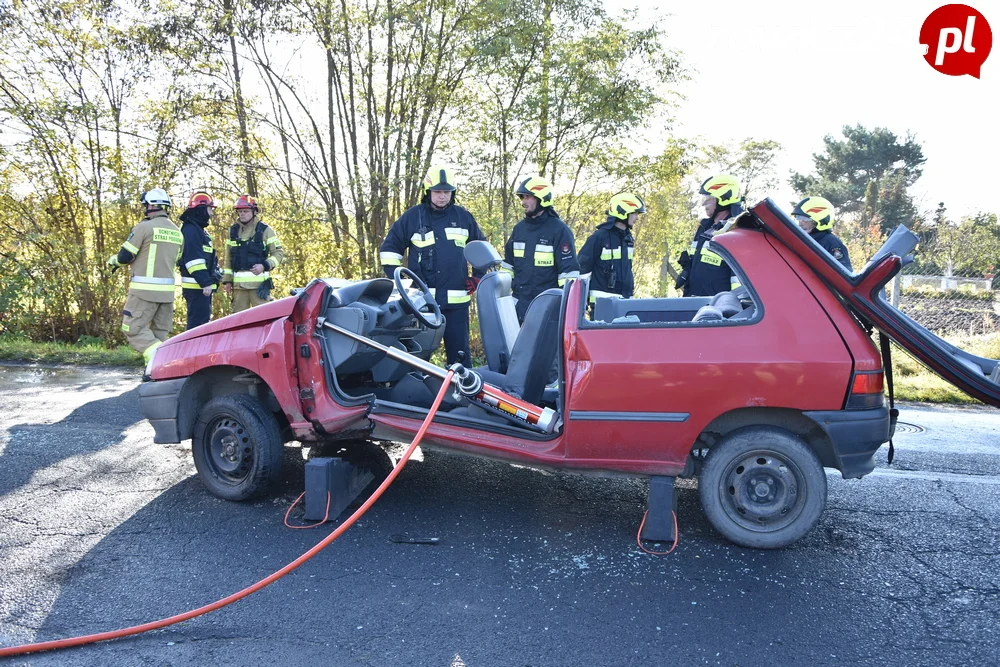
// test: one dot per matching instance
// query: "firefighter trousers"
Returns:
(456, 335)
(146, 323)
(199, 308)
(246, 298)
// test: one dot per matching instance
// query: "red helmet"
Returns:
(245, 201)
(201, 199)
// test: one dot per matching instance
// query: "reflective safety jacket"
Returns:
(708, 273)
(607, 257)
(199, 263)
(151, 251)
(541, 253)
(250, 244)
(434, 242)
(833, 245)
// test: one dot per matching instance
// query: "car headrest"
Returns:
(708, 314)
(727, 302)
(481, 255)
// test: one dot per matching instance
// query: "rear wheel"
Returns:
(237, 447)
(762, 487)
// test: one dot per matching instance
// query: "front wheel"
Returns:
(237, 447)
(762, 487)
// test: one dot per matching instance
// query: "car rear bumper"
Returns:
(855, 436)
(159, 402)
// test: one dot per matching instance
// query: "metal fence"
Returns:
(955, 307)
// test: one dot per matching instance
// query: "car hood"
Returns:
(864, 292)
(267, 312)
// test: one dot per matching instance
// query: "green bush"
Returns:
(90, 341)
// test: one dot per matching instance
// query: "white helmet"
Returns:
(156, 197)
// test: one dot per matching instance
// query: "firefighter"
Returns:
(540, 252)
(199, 264)
(815, 216)
(704, 271)
(433, 235)
(151, 250)
(607, 254)
(252, 252)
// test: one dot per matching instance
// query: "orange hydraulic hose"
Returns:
(325, 542)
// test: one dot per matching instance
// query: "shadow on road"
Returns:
(89, 428)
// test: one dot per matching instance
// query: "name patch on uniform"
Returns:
(164, 235)
(710, 257)
(544, 255)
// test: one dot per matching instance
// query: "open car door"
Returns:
(864, 292)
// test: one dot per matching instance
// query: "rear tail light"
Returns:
(867, 390)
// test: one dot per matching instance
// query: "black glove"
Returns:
(264, 289)
(681, 279)
(684, 260)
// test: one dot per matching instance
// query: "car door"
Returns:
(321, 412)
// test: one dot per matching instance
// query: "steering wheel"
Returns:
(415, 304)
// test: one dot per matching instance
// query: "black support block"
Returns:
(659, 526)
(343, 482)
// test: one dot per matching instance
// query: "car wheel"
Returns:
(762, 487)
(237, 447)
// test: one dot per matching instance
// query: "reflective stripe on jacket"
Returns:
(156, 244)
(708, 274)
(199, 263)
(434, 242)
(607, 257)
(249, 244)
(541, 253)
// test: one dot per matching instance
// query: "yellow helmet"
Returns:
(536, 186)
(439, 178)
(817, 209)
(724, 187)
(624, 203)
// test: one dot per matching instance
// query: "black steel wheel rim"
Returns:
(762, 491)
(230, 452)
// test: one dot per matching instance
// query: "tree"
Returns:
(866, 175)
(753, 162)
(330, 110)
(560, 92)
(969, 248)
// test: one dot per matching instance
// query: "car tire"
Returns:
(237, 447)
(762, 487)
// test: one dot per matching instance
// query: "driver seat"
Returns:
(535, 351)
(494, 305)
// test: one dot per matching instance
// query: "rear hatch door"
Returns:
(865, 293)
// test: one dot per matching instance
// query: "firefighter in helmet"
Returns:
(199, 264)
(815, 216)
(704, 272)
(433, 235)
(151, 252)
(607, 253)
(541, 251)
(252, 252)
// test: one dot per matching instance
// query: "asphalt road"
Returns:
(101, 529)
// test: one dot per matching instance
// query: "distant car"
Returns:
(754, 391)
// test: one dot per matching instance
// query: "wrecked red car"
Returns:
(753, 391)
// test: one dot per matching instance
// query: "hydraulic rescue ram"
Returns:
(469, 383)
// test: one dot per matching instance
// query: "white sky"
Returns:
(808, 69)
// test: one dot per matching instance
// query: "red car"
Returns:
(754, 391)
